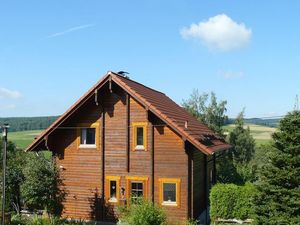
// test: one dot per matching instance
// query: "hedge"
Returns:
(230, 201)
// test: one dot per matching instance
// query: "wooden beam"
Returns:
(128, 132)
(188, 151)
(110, 85)
(103, 160)
(214, 170)
(152, 162)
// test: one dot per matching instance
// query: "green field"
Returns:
(23, 138)
(261, 134)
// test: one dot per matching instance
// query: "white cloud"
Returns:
(6, 93)
(232, 74)
(219, 32)
(73, 29)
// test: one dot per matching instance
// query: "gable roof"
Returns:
(158, 103)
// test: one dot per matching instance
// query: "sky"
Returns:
(247, 52)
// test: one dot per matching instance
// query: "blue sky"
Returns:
(51, 52)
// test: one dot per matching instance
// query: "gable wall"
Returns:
(82, 168)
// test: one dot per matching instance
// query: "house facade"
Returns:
(123, 140)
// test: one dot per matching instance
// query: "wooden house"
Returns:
(123, 139)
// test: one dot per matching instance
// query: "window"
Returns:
(112, 189)
(137, 190)
(137, 187)
(88, 135)
(139, 136)
(169, 192)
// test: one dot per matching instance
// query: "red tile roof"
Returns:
(162, 106)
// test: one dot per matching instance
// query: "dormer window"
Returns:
(139, 136)
(88, 135)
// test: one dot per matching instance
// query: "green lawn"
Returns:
(261, 134)
(23, 138)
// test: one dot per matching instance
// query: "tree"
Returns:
(14, 175)
(278, 201)
(235, 166)
(42, 188)
(243, 144)
(206, 109)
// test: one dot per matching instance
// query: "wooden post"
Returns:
(214, 170)
(152, 161)
(206, 188)
(103, 161)
(190, 180)
(128, 131)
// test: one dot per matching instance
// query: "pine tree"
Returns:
(278, 201)
(235, 167)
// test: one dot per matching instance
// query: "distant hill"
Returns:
(28, 123)
(259, 121)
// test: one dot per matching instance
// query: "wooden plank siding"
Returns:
(199, 192)
(82, 168)
(171, 161)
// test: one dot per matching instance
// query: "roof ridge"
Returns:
(127, 78)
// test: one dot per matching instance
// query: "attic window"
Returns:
(139, 136)
(88, 135)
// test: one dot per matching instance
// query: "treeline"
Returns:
(258, 121)
(28, 123)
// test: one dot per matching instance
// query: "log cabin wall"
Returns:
(171, 161)
(80, 168)
(199, 183)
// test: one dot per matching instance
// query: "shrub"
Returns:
(142, 212)
(42, 187)
(230, 201)
(17, 219)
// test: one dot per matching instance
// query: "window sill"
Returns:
(140, 148)
(113, 201)
(88, 146)
(169, 204)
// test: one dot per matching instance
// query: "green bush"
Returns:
(19, 220)
(142, 212)
(230, 201)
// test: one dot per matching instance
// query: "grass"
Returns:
(23, 138)
(261, 134)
